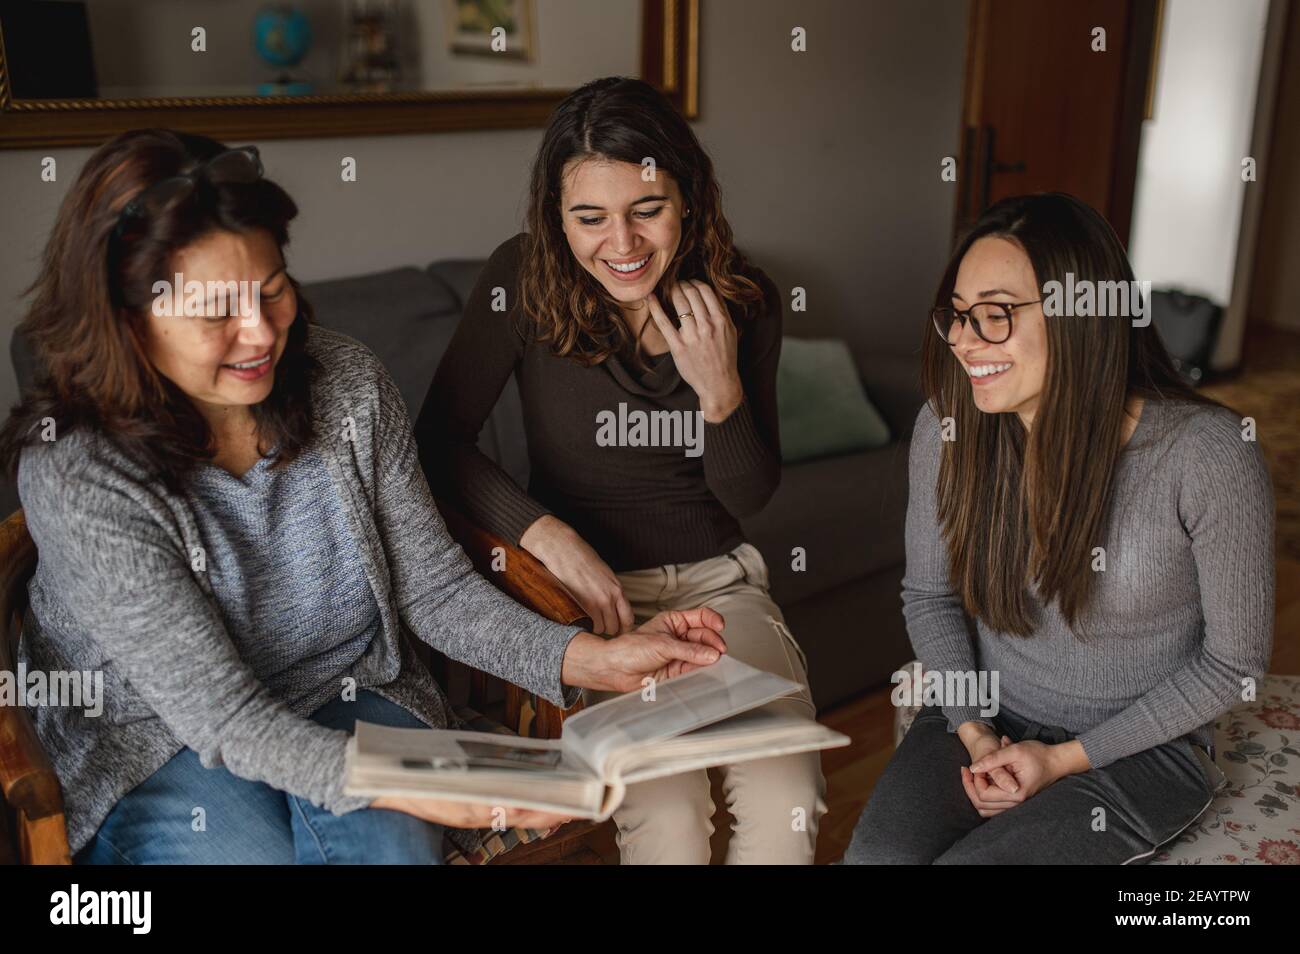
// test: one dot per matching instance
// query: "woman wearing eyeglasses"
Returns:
(1110, 532)
(645, 347)
(234, 528)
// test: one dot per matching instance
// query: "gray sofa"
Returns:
(846, 512)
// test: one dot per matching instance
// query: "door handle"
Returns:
(989, 165)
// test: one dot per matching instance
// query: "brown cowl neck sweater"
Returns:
(621, 454)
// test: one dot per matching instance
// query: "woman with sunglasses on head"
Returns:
(234, 528)
(624, 209)
(1111, 533)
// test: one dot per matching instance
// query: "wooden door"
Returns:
(1046, 111)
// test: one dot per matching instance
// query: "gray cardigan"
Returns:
(115, 591)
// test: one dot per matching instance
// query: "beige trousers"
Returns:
(776, 804)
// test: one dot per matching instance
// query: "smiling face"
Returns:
(226, 357)
(1008, 376)
(620, 228)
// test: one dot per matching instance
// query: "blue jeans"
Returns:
(250, 823)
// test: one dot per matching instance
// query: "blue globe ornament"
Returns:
(282, 37)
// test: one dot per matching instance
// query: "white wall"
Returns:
(1188, 203)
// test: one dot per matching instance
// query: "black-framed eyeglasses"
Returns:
(990, 319)
(240, 165)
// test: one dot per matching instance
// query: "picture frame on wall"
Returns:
(491, 28)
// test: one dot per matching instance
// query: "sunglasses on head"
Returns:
(239, 165)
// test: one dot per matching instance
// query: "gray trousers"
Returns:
(1120, 814)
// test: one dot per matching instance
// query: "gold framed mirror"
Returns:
(75, 72)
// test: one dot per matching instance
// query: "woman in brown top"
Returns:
(645, 348)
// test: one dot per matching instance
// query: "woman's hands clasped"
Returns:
(1003, 774)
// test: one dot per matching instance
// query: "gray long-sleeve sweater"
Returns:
(1181, 615)
(116, 590)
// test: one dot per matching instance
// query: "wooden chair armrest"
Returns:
(28, 781)
(523, 577)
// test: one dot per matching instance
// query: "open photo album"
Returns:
(710, 716)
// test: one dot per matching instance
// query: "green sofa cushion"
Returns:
(821, 405)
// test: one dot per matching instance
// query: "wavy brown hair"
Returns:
(86, 321)
(1018, 506)
(625, 120)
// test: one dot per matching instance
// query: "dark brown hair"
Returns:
(87, 317)
(625, 120)
(1017, 507)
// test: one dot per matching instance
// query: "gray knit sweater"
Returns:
(286, 573)
(1181, 615)
(115, 589)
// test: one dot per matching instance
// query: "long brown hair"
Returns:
(87, 316)
(1017, 507)
(624, 120)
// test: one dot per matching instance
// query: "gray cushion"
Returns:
(407, 317)
(503, 437)
(846, 512)
(24, 360)
(458, 275)
(854, 635)
(893, 383)
(404, 315)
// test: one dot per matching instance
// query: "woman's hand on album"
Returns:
(703, 348)
(470, 814)
(584, 574)
(664, 646)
